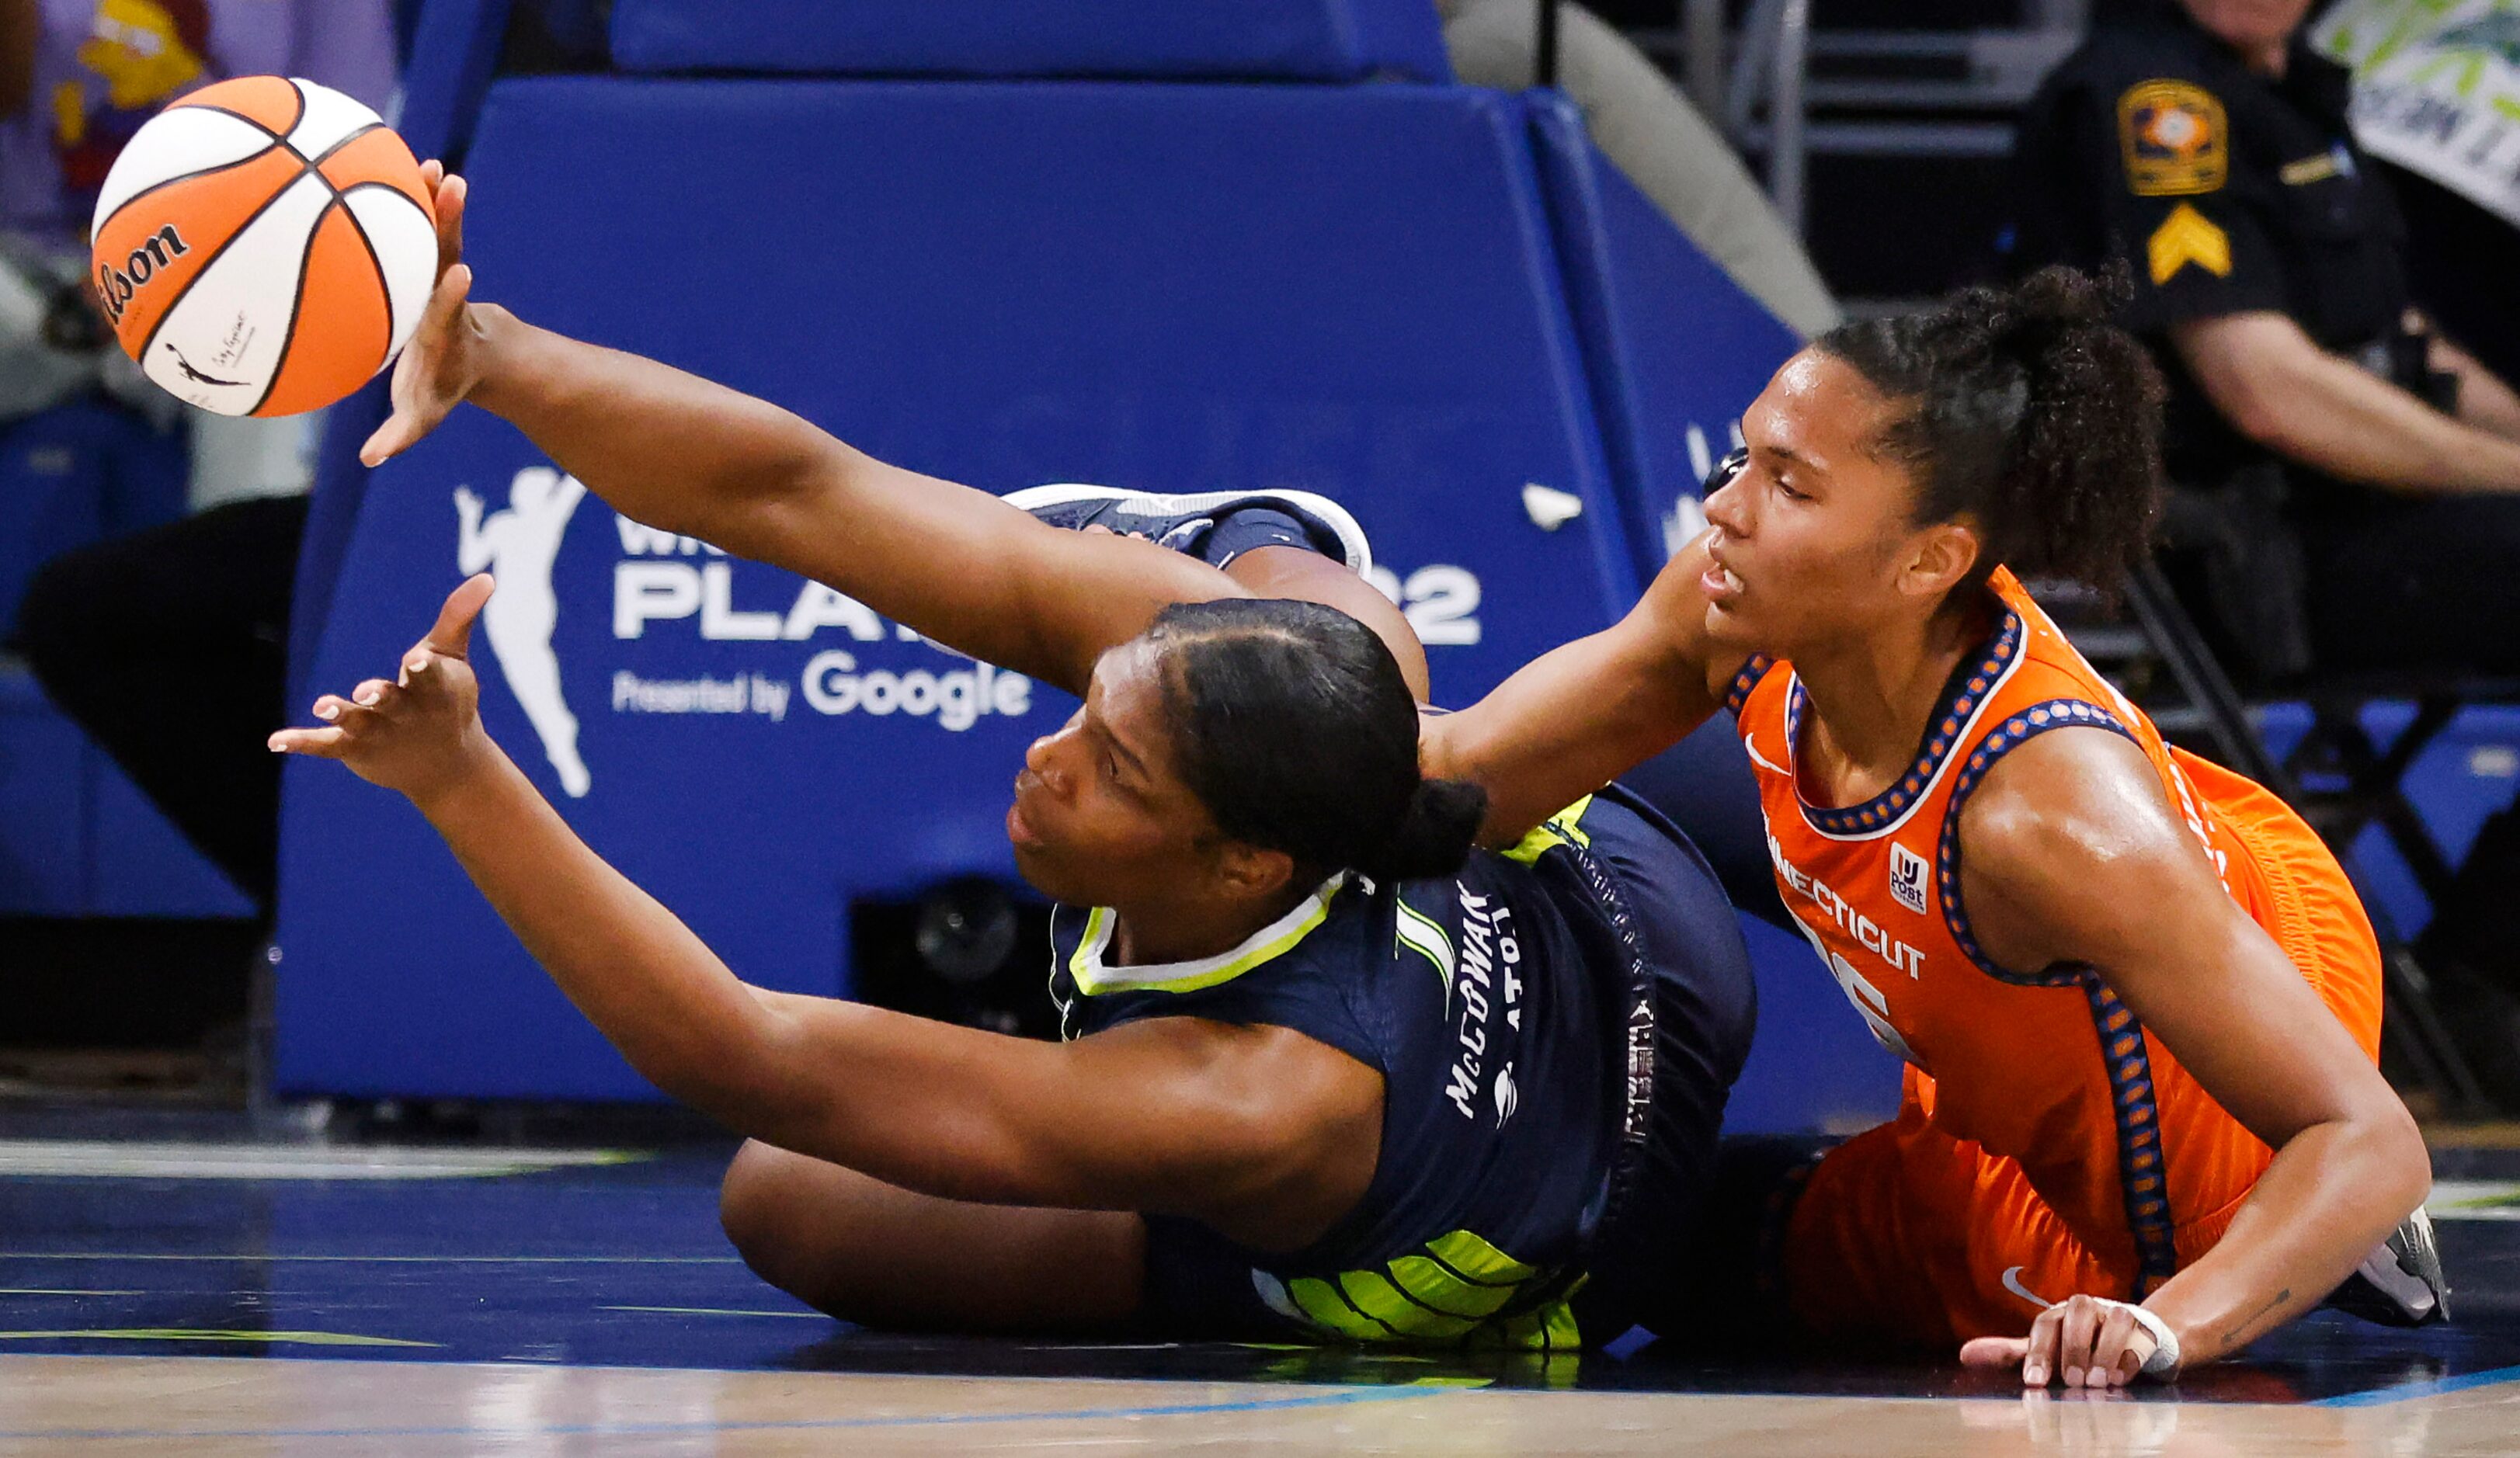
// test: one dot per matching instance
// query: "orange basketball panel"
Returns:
(343, 325)
(266, 101)
(152, 249)
(378, 156)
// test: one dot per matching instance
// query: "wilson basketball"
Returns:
(263, 247)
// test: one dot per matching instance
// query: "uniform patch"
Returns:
(1907, 877)
(2187, 237)
(2174, 138)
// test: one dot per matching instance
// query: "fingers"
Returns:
(322, 743)
(2119, 1350)
(452, 633)
(2074, 1343)
(448, 196)
(1994, 1351)
(418, 401)
(2039, 1357)
(388, 440)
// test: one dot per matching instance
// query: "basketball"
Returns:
(263, 247)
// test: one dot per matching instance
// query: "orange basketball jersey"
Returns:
(2045, 1065)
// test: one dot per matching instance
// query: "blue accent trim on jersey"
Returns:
(1941, 736)
(2144, 1176)
(2008, 736)
(1748, 679)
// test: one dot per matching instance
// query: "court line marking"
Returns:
(2408, 1391)
(722, 1311)
(212, 1333)
(1340, 1397)
(57, 1291)
(394, 1259)
(81, 1159)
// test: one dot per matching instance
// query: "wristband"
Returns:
(2164, 1361)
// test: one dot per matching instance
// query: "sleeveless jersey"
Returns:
(1501, 1083)
(2042, 1065)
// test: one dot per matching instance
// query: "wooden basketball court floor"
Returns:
(225, 1297)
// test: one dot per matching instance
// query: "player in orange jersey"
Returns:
(2138, 1003)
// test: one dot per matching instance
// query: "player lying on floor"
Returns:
(2139, 1001)
(1332, 1071)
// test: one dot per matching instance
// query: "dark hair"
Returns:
(1295, 728)
(2027, 409)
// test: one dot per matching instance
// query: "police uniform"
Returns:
(1557, 1028)
(2046, 1143)
(2223, 191)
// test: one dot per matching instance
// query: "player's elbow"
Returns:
(2401, 1167)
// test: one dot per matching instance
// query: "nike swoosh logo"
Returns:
(2013, 1283)
(1751, 748)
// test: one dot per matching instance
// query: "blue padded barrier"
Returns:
(1675, 350)
(43, 803)
(1346, 289)
(73, 474)
(1313, 40)
(77, 837)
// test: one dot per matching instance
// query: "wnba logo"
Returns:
(115, 287)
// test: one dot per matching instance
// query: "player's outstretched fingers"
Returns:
(451, 636)
(322, 743)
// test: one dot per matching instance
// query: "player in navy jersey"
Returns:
(1329, 1071)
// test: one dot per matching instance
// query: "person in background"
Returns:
(204, 598)
(2356, 469)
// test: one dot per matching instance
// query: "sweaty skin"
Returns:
(2072, 853)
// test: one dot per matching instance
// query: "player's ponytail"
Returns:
(2027, 410)
(1435, 834)
(1296, 730)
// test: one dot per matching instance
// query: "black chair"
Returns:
(2339, 780)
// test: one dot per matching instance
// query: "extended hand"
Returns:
(441, 364)
(419, 732)
(2081, 1340)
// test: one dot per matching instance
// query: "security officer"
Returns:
(2203, 146)
(2353, 478)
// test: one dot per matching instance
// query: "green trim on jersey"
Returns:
(1276, 940)
(1563, 828)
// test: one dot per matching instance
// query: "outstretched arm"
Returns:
(1186, 1117)
(1577, 716)
(678, 453)
(2094, 866)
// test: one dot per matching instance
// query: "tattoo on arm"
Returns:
(2240, 1330)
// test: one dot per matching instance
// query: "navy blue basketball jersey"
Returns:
(1488, 1003)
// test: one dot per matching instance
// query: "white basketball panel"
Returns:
(329, 117)
(406, 242)
(174, 144)
(220, 345)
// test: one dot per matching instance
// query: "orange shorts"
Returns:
(1907, 1235)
